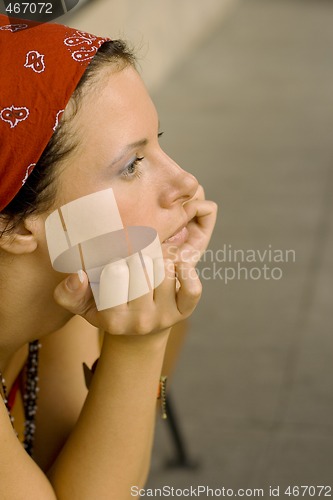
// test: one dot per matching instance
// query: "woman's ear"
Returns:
(21, 239)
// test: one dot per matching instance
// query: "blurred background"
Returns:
(244, 90)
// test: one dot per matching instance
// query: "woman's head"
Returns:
(66, 63)
(38, 191)
(108, 131)
(107, 138)
(116, 129)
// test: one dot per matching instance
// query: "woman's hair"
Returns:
(38, 192)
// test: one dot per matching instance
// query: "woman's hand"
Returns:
(172, 301)
(202, 216)
(155, 311)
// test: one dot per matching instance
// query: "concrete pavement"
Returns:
(250, 112)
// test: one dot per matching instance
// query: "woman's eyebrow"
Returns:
(130, 147)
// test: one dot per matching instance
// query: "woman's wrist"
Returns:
(156, 340)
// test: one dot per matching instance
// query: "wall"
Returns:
(163, 30)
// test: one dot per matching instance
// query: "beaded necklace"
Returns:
(29, 397)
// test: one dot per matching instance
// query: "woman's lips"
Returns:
(178, 238)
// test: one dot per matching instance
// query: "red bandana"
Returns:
(41, 65)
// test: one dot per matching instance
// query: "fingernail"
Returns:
(81, 275)
(73, 282)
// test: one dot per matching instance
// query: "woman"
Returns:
(95, 444)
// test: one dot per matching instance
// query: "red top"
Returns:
(13, 392)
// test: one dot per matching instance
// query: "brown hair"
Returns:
(38, 192)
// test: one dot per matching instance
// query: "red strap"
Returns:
(13, 392)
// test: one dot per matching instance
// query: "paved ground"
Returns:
(250, 112)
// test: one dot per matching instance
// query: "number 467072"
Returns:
(29, 7)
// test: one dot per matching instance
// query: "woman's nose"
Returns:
(179, 186)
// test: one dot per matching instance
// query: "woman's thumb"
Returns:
(74, 293)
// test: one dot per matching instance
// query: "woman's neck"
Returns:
(27, 308)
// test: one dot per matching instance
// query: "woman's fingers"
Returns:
(148, 308)
(141, 293)
(141, 280)
(190, 289)
(199, 195)
(204, 211)
(74, 293)
(202, 215)
(165, 292)
(113, 286)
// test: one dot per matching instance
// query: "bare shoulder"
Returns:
(62, 394)
(62, 387)
(20, 477)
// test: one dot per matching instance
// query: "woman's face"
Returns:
(117, 128)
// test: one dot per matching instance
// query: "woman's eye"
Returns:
(133, 169)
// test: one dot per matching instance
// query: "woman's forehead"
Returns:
(119, 101)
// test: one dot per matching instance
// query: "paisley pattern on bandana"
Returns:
(13, 27)
(28, 172)
(40, 69)
(79, 38)
(14, 115)
(57, 120)
(35, 61)
(82, 39)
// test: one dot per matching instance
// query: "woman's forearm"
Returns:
(109, 449)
